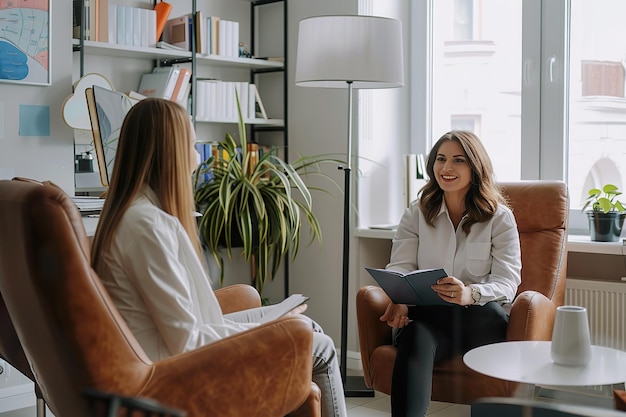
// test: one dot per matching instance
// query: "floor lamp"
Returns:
(349, 52)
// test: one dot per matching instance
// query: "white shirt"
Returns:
(489, 256)
(158, 283)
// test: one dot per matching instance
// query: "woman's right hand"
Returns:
(396, 315)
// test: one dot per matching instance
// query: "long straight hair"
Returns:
(483, 196)
(154, 149)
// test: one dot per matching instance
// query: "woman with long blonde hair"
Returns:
(147, 251)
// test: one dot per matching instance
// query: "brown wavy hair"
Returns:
(154, 149)
(483, 196)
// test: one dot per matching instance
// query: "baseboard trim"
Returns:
(353, 360)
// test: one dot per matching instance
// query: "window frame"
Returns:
(544, 90)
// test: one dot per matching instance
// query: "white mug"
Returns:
(571, 341)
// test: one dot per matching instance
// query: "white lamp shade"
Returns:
(364, 50)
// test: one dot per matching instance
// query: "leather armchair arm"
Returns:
(532, 317)
(272, 363)
(237, 297)
(312, 406)
(371, 302)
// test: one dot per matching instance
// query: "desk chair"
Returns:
(541, 211)
(74, 338)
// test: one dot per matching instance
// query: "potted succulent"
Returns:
(607, 214)
(257, 203)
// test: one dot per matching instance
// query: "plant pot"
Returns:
(605, 227)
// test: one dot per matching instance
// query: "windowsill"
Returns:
(575, 243)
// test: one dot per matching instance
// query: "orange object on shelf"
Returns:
(163, 10)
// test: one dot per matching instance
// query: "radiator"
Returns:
(606, 308)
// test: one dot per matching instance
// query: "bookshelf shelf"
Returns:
(261, 122)
(126, 51)
(217, 60)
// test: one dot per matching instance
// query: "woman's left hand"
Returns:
(453, 290)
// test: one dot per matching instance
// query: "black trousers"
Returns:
(437, 333)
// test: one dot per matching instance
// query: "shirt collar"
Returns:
(148, 193)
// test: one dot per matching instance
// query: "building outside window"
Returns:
(494, 55)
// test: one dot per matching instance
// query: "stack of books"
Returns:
(118, 24)
(171, 83)
(216, 101)
(89, 205)
(216, 36)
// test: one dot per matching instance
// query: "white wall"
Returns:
(318, 124)
(50, 157)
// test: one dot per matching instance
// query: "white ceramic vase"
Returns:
(571, 341)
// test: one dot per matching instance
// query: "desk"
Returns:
(529, 362)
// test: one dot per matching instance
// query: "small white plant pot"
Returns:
(571, 341)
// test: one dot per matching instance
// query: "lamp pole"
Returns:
(353, 386)
(353, 51)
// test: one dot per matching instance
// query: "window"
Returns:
(597, 107)
(463, 20)
(476, 79)
(541, 83)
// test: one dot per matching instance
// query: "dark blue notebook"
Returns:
(412, 288)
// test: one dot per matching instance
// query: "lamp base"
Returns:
(354, 386)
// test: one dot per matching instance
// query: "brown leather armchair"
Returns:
(541, 211)
(74, 338)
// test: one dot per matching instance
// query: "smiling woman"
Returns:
(462, 223)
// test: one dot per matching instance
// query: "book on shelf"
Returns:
(415, 176)
(131, 26)
(120, 24)
(102, 20)
(201, 37)
(180, 88)
(412, 288)
(137, 26)
(212, 34)
(77, 17)
(256, 109)
(90, 14)
(135, 97)
(158, 83)
(178, 32)
(162, 10)
(253, 154)
(172, 73)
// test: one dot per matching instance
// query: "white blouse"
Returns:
(159, 285)
(489, 256)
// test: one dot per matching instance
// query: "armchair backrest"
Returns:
(541, 209)
(69, 329)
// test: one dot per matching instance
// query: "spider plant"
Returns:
(261, 201)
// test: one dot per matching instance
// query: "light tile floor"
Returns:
(380, 406)
(377, 406)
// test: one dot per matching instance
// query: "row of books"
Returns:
(208, 149)
(214, 36)
(216, 100)
(124, 25)
(171, 83)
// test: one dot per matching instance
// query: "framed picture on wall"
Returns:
(25, 42)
